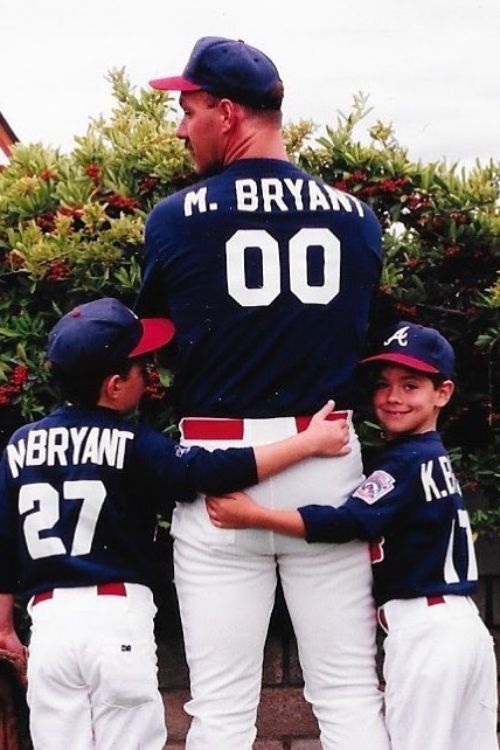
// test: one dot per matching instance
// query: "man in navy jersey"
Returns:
(80, 490)
(441, 678)
(268, 275)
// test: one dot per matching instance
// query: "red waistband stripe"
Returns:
(194, 428)
(102, 589)
(212, 429)
(432, 600)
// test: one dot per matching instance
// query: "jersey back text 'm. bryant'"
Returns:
(268, 275)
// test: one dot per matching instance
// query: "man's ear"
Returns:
(230, 113)
(445, 391)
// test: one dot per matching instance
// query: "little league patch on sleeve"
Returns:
(375, 486)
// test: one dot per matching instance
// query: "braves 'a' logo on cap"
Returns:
(375, 486)
(401, 336)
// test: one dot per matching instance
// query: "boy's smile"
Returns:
(408, 402)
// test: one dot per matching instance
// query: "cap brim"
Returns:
(403, 359)
(156, 332)
(175, 83)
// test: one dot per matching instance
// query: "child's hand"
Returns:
(10, 642)
(234, 511)
(330, 438)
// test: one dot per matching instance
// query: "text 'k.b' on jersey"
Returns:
(80, 491)
(412, 511)
(268, 275)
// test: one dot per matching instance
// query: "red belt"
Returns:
(431, 601)
(199, 428)
(103, 589)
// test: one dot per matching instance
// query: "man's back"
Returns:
(268, 275)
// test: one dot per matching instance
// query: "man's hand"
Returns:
(234, 511)
(328, 438)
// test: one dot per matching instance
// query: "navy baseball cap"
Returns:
(96, 336)
(417, 347)
(229, 68)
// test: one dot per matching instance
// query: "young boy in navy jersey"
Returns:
(80, 490)
(440, 672)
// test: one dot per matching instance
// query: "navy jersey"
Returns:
(80, 491)
(268, 275)
(412, 511)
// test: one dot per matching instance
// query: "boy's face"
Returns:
(407, 402)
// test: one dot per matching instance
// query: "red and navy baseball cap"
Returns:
(417, 347)
(231, 69)
(95, 337)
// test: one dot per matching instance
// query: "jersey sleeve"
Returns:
(9, 573)
(323, 523)
(372, 231)
(377, 504)
(181, 472)
(150, 301)
(163, 234)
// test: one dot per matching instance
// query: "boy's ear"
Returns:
(445, 391)
(111, 386)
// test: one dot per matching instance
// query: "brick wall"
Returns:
(285, 720)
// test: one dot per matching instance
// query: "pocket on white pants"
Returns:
(127, 670)
(191, 522)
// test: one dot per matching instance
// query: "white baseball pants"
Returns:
(441, 691)
(92, 672)
(226, 582)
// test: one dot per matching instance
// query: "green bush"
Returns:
(71, 230)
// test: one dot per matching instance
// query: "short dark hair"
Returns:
(85, 390)
(376, 368)
(273, 114)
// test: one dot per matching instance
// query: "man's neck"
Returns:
(263, 144)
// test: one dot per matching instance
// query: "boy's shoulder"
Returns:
(424, 442)
(407, 465)
(410, 451)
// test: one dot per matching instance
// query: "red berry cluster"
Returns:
(148, 184)
(360, 184)
(459, 217)
(46, 221)
(94, 172)
(406, 311)
(417, 202)
(58, 270)
(115, 201)
(15, 385)
(15, 259)
(74, 211)
(47, 175)
(154, 390)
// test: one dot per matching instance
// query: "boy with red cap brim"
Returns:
(440, 670)
(80, 494)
